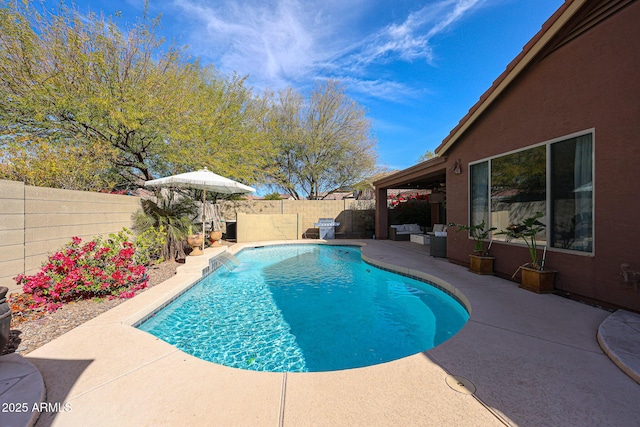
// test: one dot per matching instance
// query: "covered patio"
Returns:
(428, 175)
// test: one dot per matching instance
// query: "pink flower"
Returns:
(76, 272)
(129, 294)
(101, 252)
(89, 247)
(127, 253)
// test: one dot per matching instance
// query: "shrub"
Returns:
(92, 270)
(413, 211)
(172, 216)
(148, 244)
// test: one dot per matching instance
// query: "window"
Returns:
(572, 194)
(555, 178)
(479, 193)
(518, 187)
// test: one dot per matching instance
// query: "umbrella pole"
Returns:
(204, 205)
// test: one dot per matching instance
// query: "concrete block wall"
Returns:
(229, 209)
(312, 210)
(12, 220)
(36, 221)
(261, 227)
(353, 215)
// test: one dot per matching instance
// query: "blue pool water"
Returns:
(306, 308)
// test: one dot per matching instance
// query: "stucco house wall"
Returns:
(590, 82)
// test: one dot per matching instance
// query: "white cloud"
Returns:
(459, 9)
(273, 41)
(384, 89)
(287, 42)
(410, 39)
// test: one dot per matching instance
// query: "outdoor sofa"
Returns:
(403, 231)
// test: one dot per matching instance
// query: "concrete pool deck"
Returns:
(533, 360)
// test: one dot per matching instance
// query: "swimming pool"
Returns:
(306, 308)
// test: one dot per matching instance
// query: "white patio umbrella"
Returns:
(205, 180)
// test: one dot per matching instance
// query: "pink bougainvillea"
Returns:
(93, 270)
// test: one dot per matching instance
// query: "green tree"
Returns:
(47, 162)
(151, 110)
(426, 156)
(273, 196)
(321, 144)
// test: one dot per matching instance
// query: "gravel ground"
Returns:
(29, 335)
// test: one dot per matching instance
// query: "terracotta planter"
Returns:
(214, 237)
(5, 318)
(539, 281)
(195, 241)
(481, 264)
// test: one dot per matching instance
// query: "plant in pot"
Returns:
(215, 235)
(196, 241)
(5, 318)
(534, 276)
(479, 262)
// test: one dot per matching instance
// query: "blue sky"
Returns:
(416, 66)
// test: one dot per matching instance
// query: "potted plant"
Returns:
(479, 262)
(214, 236)
(5, 318)
(195, 241)
(534, 276)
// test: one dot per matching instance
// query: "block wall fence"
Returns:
(36, 221)
(260, 220)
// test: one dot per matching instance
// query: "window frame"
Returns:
(548, 202)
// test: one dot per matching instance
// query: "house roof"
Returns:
(336, 195)
(529, 52)
(573, 18)
(420, 176)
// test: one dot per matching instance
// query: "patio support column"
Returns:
(382, 219)
(435, 213)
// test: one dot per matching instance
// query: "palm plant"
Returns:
(479, 234)
(527, 231)
(175, 216)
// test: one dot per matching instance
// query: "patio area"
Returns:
(533, 360)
